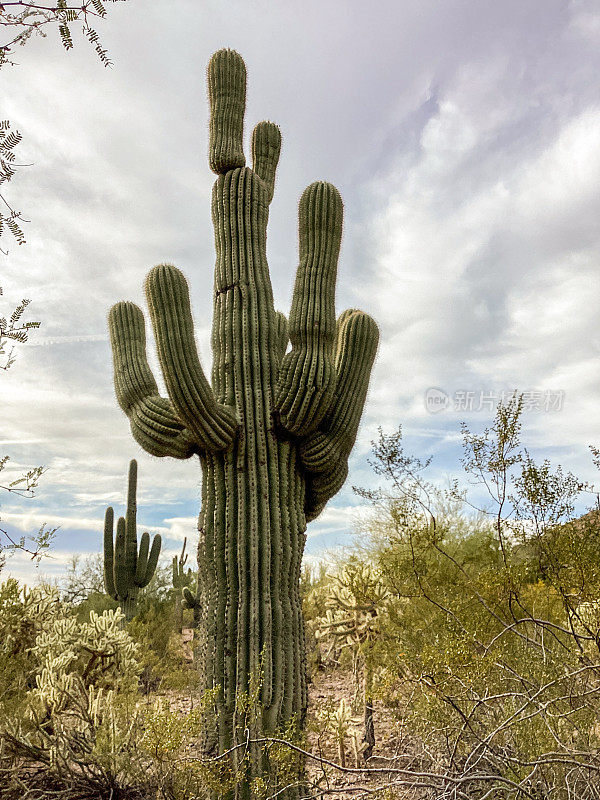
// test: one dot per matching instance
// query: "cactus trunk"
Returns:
(251, 616)
(273, 429)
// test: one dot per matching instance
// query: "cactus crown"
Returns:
(319, 387)
(127, 570)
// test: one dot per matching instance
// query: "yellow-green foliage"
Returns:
(461, 642)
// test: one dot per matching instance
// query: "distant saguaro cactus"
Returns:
(126, 570)
(182, 578)
(274, 431)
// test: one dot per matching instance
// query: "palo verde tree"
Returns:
(273, 432)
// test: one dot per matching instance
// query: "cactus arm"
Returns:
(227, 96)
(131, 522)
(109, 561)
(142, 559)
(152, 561)
(324, 454)
(325, 449)
(180, 578)
(154, 425)
(121, 580)
(307, 379)
(189, 598)
(213, 425)
(321, 488)
(266, 146)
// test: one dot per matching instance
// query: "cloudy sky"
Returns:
(464, 137)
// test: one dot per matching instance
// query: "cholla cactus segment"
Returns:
(357, 600)
(340, 722)
(273, 429)
(126, 570)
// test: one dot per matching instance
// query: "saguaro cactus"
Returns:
(274, 431)
(126, 570)
(182, 578)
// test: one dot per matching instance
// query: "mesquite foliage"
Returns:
(126, 570)
(274, 428)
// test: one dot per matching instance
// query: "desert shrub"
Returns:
(489, 651)
(162, 661)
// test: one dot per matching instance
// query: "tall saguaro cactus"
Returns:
(126, 570)
(275, 428)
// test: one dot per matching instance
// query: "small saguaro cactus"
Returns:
(182, 578)
(126, 570)
(273, 432)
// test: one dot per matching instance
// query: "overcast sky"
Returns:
(464, 138)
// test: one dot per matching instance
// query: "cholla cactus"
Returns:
(126, 570)
(96, 653)
(340, 723)
(585, 622)
(357, 601)
(83, 669)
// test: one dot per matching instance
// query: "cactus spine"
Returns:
(126, 570)
(273, 432)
